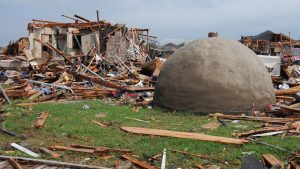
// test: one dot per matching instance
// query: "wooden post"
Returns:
(148, 43)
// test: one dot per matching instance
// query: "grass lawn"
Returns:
(68, 124)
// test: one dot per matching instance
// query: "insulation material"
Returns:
(214, 75)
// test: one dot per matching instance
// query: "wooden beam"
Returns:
(52, 153)
(82, 18)
(15, 163)
(195, 136)
(255, 118)
(137, 162)
(80, 150)
(41, 120)
(271, 161)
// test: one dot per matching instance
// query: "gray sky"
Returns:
(170, 20)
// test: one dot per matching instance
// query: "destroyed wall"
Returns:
(69, 40)
(214, 75)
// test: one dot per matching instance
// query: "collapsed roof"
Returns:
(214, 75)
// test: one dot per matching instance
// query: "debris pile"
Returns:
(80, 60)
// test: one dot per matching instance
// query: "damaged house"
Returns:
(269, 43)
(84, 38)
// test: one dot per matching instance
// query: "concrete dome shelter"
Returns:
(214, 75)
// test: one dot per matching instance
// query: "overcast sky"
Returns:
(170, 20)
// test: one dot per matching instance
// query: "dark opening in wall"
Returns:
(77, 41)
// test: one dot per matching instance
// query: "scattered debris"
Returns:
(29, 162)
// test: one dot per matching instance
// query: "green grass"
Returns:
(69, 123)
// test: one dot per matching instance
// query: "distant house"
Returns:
(269, 43)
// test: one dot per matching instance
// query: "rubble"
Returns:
(81, 60)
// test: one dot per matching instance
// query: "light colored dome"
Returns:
(214, 75)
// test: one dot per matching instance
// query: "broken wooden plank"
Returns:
(50, 96)
(98, 123)
(52, 153)
(15, 163)
(289, 108)
(198, 166)
(80, 150)
(263, 130)
(271, 161)
(256, 118)
(186, 135)
(137, 162)
(140, 120)
(41, 120)
(101, 149)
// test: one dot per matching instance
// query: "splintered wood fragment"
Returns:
(140, 120)
(98, 123)
(270, 161)
(79, 150)
(137, 162)
(289, 108)
(101, 149)
(197, 166)
(41, 120)
(196, 155)
(52, 153)
(186, 135)
(15, 163)
(263, 130)
(256, 118)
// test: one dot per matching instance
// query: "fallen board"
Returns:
(195, 136)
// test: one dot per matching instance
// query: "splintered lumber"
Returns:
(256, 118)
(97, 80)
(101, 149)
(195, 136)
(50, 96)
(196, 155)
(82, 18)
(52, 153)
(271, 161)
(15, 163)
(41, 120)
(263, 130)
(80, 150)
(53, 163)
(197, 166)
(290, 91)
(98, 123)
(25, 150)
(289, 108)
(137, 162)
(136, 88)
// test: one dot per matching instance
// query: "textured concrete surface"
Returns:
(214, 75)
